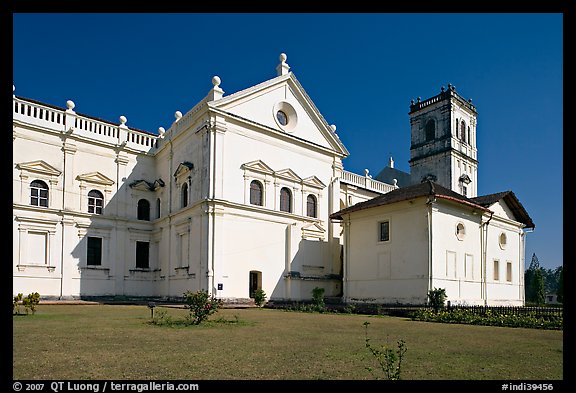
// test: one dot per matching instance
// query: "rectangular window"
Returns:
(37, 248)
(496, 270)
(509, 271)
(94, 253)
(143, 255)
(385, 231)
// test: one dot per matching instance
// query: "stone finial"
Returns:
(418, 99)
(282, 68)
(216, 93)
(395, 182)
(161, 132)
(442, 89)
(391, 162)
(177, 115)
(13, 90)
(333, 126)
(70, 105)
(367, 173)
(123, 121)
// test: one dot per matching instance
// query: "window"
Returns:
(463, 131)
(255, 282)
(509, 271)
(94, 251)
(285, 200)
(496, 270)
(464, 190)
(282, 118)
(142, 255)
(143, 210)
(430, 130)
(311, 206)
(384, 231)
(184, 195)
(38, 193)
(158, 208)
(460, 231)
(95, 202)
(256, 193)
(502, 240)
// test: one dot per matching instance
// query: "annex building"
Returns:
(248, 191)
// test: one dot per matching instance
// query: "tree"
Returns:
(529, 278)
(538, 287)
(560, 289)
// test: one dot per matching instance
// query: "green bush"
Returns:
(259, 297)
(29, 302)
(436, 298)
(201, 305)
(318, 299)
(389, 361)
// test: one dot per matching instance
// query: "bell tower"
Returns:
(443, 141)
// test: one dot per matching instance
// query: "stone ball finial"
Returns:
(216, 80)
(333, 126)
(442, 89)
(161, 132)
(123, 120)
(13, 88)
(178, 115)
(70, 104)
(283, 57)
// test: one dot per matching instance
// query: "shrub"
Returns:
(201, 305)
(436, 298)
(318, 299)
(390, 361)
(259, 297)
(16, 304)
(31, 301)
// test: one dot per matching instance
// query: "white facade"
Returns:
(176, 211)
(433, 241)
(236, 195)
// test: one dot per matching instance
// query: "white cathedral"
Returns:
(248, 191)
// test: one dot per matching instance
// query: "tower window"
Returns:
(184, 195)
(430, 130)
(463, 131)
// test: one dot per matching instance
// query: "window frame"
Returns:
(90, 251)
(285, 198)
(41, 186)
(93, 206)
(256, 199)
(142, 255)
(381, 225)
(311, 200)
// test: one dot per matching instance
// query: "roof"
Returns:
(388, 174)
(513, 203)
(426, 188)
(429, 188)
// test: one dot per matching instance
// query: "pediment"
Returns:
(183, 167)
(260, 103)
(39, 166)
(258, 166)
(95, 177)
(288, 174)
(144, 185)
(313, 181)
(313, 230)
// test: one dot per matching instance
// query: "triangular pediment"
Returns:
(39, 166)
(95, 177)
(313, 230)
(258, 166)
(313, 181)
(288, 174)
(141, 185)
(260, 104)
(183, 167)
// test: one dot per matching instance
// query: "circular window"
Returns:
(502, 240)
(285, 116)
(460, 231)
(282, 118)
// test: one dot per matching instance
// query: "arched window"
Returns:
(256, 193)
(311, 206)
(158, 208)
(143, 210)
(95, 202)
(502, 240)
(184, 195)
(463, 131)
(285, 200)
(468, 137)
(430, 130)
(38, 193)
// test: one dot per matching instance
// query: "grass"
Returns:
(64, 342)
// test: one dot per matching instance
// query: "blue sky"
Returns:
(361, 70)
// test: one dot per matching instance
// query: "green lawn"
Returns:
(63, 342)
